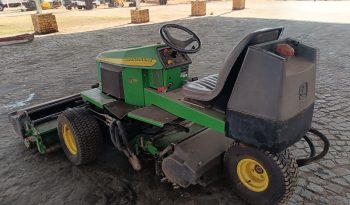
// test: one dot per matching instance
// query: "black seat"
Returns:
(217, 88)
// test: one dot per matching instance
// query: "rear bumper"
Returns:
(274, 136)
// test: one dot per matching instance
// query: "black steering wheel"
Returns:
(191, 45)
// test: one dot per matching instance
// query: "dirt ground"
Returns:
(57, 65)
(12, 21)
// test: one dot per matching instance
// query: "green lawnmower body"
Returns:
(143, 73)
(148, 88)
(142, 67)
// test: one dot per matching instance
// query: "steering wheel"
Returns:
(191, 45)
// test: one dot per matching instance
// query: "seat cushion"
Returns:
(208, 88)
(202, 86)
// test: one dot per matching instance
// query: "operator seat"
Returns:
(216, 89)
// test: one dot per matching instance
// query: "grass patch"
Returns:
(15, 25)
(23, 24)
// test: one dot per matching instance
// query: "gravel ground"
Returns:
(59, 65)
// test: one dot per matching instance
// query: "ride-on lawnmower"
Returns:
(237, 124)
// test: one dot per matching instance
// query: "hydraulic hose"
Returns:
(122, 133)
(117, 131)
(311, 146)
(113, 132)
(313, 157)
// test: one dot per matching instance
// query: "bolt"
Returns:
(258, 169)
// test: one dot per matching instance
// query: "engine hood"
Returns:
(145, 57)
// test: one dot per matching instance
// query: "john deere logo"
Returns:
(303, 88)
(130, 61)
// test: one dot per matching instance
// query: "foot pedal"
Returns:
(152, 115)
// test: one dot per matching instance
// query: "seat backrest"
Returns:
(233, 63)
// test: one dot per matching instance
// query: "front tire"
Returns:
(80, 135)
(1, 7)
(261, 177)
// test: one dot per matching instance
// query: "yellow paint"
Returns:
(69, 139)
(252, 175)
(119, 2)
(130, 61)
(46, 5)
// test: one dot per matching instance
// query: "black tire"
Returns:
(86, 132)
(163, 2)
(281, 169)
(1, 7)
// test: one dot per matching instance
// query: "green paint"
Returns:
(155, 78)
(146, 120)
(150, 148)
(154, 148)
(173, 78)
(142, 67)
(48, 132)
(176, 137)
(96, 97)
(169, 78)
(134, 84)
(40, 144)
(172, 103)
(32, 131)
(44, 135)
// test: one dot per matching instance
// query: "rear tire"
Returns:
(80, 135)
(261, 177)
(1, 7)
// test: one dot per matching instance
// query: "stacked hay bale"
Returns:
(139, 15)
(238, 4)
(198, 8)
(44, 23)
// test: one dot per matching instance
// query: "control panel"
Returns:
(171, 58)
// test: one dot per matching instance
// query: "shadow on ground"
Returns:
(59, 65)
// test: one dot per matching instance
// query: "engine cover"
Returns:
(271, 105)
(197, 160)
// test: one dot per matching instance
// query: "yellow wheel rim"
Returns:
(69, 139)
(252, 175)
